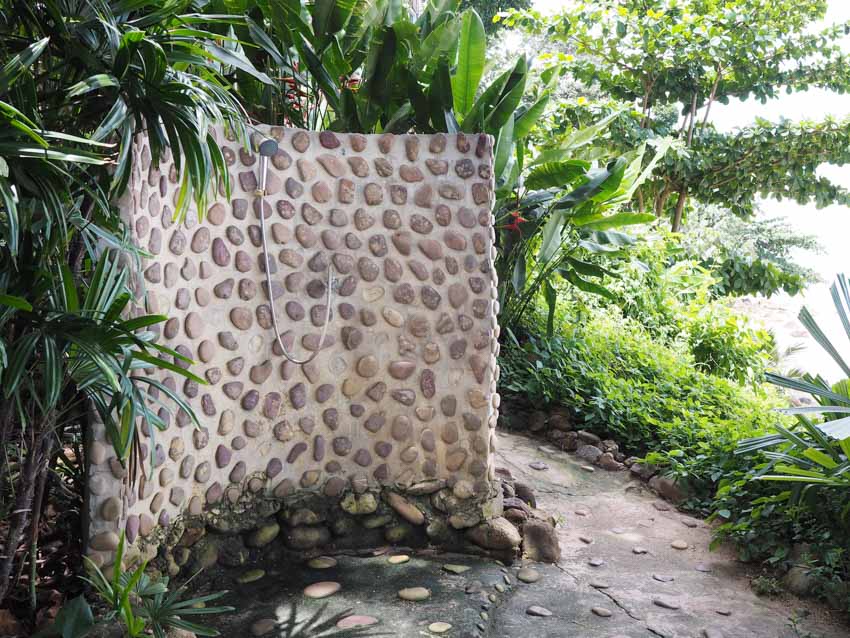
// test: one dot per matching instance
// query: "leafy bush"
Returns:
(723, 344)
(649, 396)
(753, 256)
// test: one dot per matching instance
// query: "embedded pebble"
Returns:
(602, 612)
(322, 562)
(679, 544)
(528, 575)
(250, 576)
(596, 562)
(540, 612)
(538, 465)
(456, 569)
(350, 622)
(414, 594)
(322, 589)
(586, 539)
(439, 627)
(665, 603)
(599, 584)
(639, 550)
(398, 559)
(663, 578)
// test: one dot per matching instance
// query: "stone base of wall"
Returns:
(256, 530)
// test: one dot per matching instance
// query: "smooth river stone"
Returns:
(414, 594)
(322, 589)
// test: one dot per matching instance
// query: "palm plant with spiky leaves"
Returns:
(78, 80)
(815, 454)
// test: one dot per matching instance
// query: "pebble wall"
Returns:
(403, 391)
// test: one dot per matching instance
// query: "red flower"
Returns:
(515, 222)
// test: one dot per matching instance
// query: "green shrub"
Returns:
(723, 344)
(649, 396)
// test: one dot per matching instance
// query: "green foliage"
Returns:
(368, 66)
(687, 55)
(563, 218)
(766, 586)
(723, 344)
(646, 395)
(78, 81)
(672, 298)
(489, 9)
(748, 257)
(140, 605)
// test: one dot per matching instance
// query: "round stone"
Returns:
(322, 589)
(322, 562)
(351, 622)
(251, 576)
(665, 603)
(602, 612)
(528, 575)
(414, 594)
(367, 366)
(439, 627)
(679, 544)
(263, 626)
(398, 559)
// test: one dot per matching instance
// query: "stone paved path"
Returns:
(621, 516)
(640, 586)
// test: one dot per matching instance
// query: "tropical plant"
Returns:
(140, 605)
(677, 58)
(78, 81)
(367, 66)
(558, 211)
(813, 455)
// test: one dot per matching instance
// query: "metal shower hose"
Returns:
(267, 149)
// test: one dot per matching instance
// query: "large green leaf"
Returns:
(528, 118)
(510, 99)
(607, 222)
(470, 62)
(556, 174)
(504, 151)
(550, 238)
(588, 134)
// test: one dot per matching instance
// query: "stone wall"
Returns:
(402, 396)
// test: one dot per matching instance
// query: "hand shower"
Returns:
(267, 149)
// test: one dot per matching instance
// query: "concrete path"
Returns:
(619, 576)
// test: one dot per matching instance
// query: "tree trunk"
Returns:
(680, 209)
(35, 465)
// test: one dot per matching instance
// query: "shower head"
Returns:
(268, 148)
